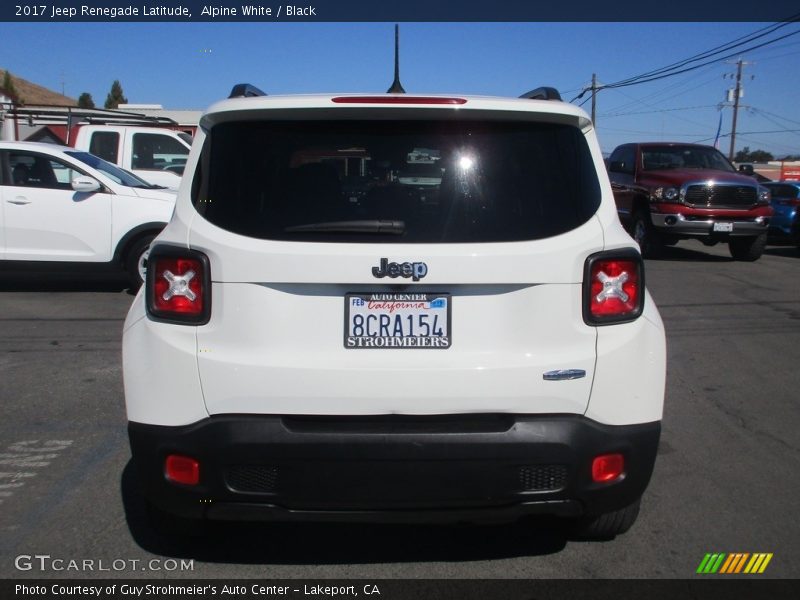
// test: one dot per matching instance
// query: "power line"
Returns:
(661, 110)
(761, 142)
(679, 89)
(670, 70)
(764, 112)
(773, 145)
(775, 56)
(760, 132)
(674, 116)
(740, 41)
(639, 132)
(774, 121)
(716, 60)
(700, 56)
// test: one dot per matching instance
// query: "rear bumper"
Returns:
(459, 468)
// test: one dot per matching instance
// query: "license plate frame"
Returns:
(403, 305)
(722, 227)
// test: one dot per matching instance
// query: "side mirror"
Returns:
(617, 166)
(85, 184)
(746, 169)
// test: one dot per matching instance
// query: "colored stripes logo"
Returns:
(729, 564)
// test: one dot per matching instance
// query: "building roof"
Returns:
(32, 94)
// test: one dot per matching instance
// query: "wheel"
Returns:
(136, 261)
(608, 525)
(645, 234)
(747, 248)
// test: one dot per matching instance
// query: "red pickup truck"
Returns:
(667, 192)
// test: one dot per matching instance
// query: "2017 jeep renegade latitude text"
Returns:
(324, 336)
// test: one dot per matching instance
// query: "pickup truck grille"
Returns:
(722, 195)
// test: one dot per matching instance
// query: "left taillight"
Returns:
(178, 286)
(613, 287)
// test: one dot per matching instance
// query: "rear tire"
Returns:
(748, 248)
(608, 525)
(645, 234)
(136, 261)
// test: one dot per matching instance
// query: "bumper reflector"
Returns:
(182, 469)
(607, 468)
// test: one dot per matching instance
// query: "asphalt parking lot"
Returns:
(727, 478)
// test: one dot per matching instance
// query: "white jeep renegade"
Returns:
(395, 307)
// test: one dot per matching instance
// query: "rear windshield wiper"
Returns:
(364, 226)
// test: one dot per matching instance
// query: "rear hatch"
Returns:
(342, 286)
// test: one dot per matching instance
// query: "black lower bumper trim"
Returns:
(393, 468)
(225, 511)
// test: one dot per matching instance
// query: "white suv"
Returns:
(319, 338)
(61, 206)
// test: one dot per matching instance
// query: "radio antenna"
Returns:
(397, 87)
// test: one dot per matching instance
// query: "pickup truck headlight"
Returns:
(668, 194)
(764, 195)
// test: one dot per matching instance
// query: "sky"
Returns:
(191, 65)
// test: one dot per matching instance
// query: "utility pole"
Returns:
(594, 98)
(736, 93)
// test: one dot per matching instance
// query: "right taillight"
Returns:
(178, 286)
(613, 287)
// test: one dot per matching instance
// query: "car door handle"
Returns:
(19, 201)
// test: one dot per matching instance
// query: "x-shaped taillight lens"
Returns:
(178, 285)
(614, 287)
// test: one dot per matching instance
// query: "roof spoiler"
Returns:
(542, 93)
(245, 90)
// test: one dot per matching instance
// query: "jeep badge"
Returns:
(415, 270)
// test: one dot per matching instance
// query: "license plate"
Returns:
(723, 227)
(397, 320)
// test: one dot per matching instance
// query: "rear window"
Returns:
(396, 181)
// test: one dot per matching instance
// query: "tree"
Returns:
(85, 100)
(756, 156)
(8, 87)
(115, 96)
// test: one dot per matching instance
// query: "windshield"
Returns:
(396, 181)
(113, 172)
(660, 158)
